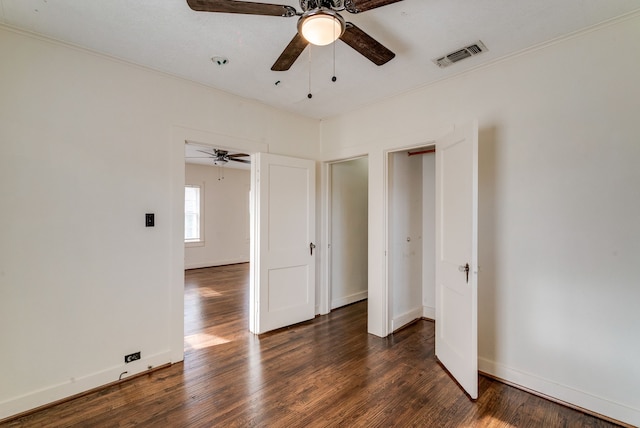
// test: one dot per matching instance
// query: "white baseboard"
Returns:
(347, 300)
(404, 319)
(214, 263)
(75, 386)
(429, 312)
(561, 393)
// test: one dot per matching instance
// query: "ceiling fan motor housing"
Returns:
(307, 5)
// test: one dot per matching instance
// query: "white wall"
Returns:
(405, 238)
(225, 193)
(349, 228)
(559, 209)
(88, 145)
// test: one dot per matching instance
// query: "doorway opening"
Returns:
(411, 235)
(224, 189)
(348, 231)
(217, 223)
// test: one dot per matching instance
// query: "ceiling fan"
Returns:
(221, 157)
(319, 23)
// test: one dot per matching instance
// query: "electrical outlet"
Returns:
(149, 220)
(132, 357)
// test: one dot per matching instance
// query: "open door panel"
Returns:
(457, 255)
(283, 236)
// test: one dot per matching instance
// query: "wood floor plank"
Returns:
(324, 373)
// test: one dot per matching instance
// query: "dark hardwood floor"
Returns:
(324, 373)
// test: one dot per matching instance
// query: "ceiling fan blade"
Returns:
(290, 53)
(357, 6)
(366, 45)
(238, 155)
(245, 7)
(206, 153)
(239, 160)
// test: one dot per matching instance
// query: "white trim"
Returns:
(323, 306)
(406, 318)
(180, 136)
(558, 392)
(347, 300)
(176, 267)
(254, 245)
(392, 324)
(378, 246)
(79, 385)
(429, 312)
(326, 304)
(199, 242)
(388, 294)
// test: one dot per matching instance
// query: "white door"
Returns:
(283, 239)
(457, 255)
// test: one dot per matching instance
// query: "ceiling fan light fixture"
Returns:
(321, 26)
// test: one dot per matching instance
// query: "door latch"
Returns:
(311, 247)
(465, 269)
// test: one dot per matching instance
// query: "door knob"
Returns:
(311, 247)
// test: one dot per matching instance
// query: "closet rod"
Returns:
(421, 152)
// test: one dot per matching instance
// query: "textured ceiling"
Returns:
(167, 35)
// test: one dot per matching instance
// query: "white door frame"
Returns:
(180, 135)
(378, 321)
(387, 288)
(323, 305)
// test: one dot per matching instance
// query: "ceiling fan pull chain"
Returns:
(334, 78)
(309, 95)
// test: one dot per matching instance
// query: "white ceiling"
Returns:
(167, 35)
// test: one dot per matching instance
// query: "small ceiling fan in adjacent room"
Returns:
(221, 157)
(319, 23)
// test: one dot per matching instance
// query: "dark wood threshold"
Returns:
(214, 267)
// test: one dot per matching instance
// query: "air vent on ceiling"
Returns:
(460, 54)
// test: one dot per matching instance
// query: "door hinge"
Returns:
(465, 269)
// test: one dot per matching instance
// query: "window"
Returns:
(192, 217)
